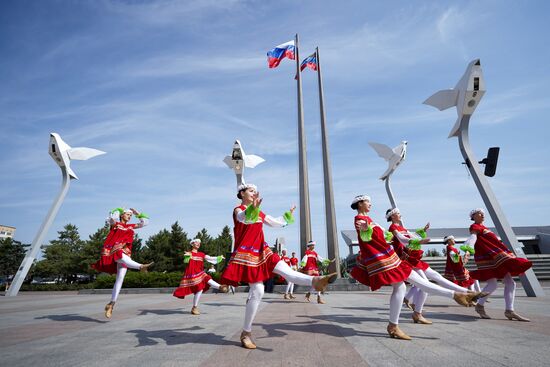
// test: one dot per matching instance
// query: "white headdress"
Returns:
(392, 212)
(311, 243)
(447, 238)
(474, 211)
(196, 240)
(359, 198)
(246, 186)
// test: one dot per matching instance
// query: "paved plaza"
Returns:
(68, 329)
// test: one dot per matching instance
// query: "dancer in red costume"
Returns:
(310, 267)
(408, 247)
(195, 281)
(117, 249)
(290, 285)
(455, 270)
(494, 261)
(378, 265)
(294, 266)
(253, 261)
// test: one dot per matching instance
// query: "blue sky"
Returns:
(165, 87)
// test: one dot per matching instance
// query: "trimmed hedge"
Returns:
(132, 279)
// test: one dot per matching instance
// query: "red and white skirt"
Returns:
(191, 284)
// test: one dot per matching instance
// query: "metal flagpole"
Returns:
(305, 215)
(332, 237)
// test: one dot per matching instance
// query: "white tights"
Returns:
(289, 288)
(509, 291)
(396, 299)
(122, 267)
(442, 281)
(256, 291)
(475, 286)
(197, 295)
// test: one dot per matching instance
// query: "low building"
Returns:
(6, 232)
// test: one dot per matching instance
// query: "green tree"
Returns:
(156, 249)
(166, 249)
(11, 256)
(433, 252)
(222, 245)
(207, 242)
(179, 243)
(62, 256)
(91, 250)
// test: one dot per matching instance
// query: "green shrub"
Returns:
(140, 280)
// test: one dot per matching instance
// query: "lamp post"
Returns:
(62, 154)
(466, 95)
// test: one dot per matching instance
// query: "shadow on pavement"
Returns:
(70, 317)
(344, 319)
(162, 312)
(282, 329)
(180, 336)
(223, 304)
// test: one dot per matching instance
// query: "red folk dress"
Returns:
(377, 263)
(413, 257)
(294, 263)
(194, 279)
(311, 257)
(456, 272)
(252, 261)
(119, 241)
(492, 257)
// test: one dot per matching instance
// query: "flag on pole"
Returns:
(309, 62)
(275, 56)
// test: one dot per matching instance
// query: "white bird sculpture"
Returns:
(238, 160)
(63, 154)
(393, 156)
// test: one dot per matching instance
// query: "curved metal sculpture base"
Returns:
(528, 280)
(37, 242)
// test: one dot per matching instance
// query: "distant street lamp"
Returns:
(466, 96)
(394, 157)
(62, 154)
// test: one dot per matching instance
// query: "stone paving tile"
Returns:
(66, 329)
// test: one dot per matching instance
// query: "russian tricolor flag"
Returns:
(275, 56)
(309, 62)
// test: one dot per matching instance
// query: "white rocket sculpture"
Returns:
(393, 156)
(62, 154)
(466, 95)
(238, 160)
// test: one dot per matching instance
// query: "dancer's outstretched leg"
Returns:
(127, 260)
(442, 281)
(221, 287)
(318, 283)
(464, 299)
